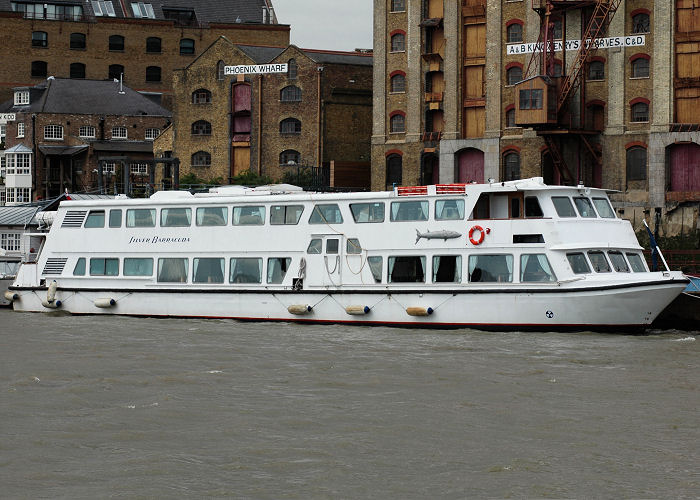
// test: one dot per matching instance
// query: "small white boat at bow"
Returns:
(510, 255)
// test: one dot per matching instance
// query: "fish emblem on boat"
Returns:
(437, 235)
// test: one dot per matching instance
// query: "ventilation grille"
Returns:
(54, 266)
(74, 218)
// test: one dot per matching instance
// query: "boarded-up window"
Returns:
(475, 40)
(685, 167)
(241, 98)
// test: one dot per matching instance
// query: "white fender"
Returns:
(105, 302)
(357, 310)
(299, 309)
(51, 292)
(419, 311)
(11, 296)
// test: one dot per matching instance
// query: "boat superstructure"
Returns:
(507, 255)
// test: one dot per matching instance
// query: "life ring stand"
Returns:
(482, 234)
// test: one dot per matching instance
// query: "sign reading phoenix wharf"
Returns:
(255, 69)
(598, 43)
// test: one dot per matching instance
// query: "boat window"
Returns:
(528, 238)
(532, 207)
(604, 208)
(245, 270)
(449, 209)
(285, 214)
(375, 265)
(141, 217)
(277, 268)
(535, 267)
(618, 261)
(96, 218)
(584, 207)
(315, 246)
(515, 208)
(326, 214)
(636, 262)
(104, 267)
(409, 210)
(352, 246)
(598, 261)
(367, 212)
(115, 218)
(207, 270)
(176, 217)
(490, 268)
(407, 269)
(173, 270)
(138, 267)
(212, 216)
(578, 263)
(482, 209)
(447, 269)
(332, 246)
(563, 206)
(250, 216)
(79, 269)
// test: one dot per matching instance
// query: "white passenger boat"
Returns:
(508, 255)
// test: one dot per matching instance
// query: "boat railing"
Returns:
(687, 261)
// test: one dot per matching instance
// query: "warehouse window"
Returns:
(640, 23)
(511, 166)
(153, 74)
(290, 93)
(514, 32)
(116, 43)
(153, 45)
(290, 126)
(514, 74)
(398, 83)
(40, 39)
(39, 69)
(637, 163)
(398, 42)
(201, 159)
(77, 41)
(186, 47)
(116, 71)
(77, 70)
(201, 127)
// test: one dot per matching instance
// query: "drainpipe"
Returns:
(260, 93)
(318, 110)
(34, 185)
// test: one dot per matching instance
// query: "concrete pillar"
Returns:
(414, 76)
(617, 107)
(453, 67)
(494, 46)
(379, 73)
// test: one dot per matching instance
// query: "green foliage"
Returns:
(300, 176)
(248, 178)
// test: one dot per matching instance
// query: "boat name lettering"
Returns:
(158, 239)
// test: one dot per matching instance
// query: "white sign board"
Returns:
(7, 117)
(598, 43)
(255, 69)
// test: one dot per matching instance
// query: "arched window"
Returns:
(510, 117)
(292, 69)
(201, 96)
(153, 74)
(186, 47)
(398, 42)
(640, 67)
(39, 69)
(40, 39)
(398, 5)
(511, 166)
(220, 70)
(514, 32)
(153, 45)
(397, 123)
(291, 93)
(116, 43)
(640, 23)
(393, 170)
(77, 70)
(596, 70)
(636, 163)
(290, 126)
(201, 159)
(116, 71)
(514, 74)
(290, 157)
(398, 83)
(77, 41)
(640, 112)
(201, 127)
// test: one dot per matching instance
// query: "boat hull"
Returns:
(616, 308)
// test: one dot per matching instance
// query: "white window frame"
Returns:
(103, 8)
(24, 193)
(12, 242)
(109, 168)
(21, 97)
(87, 132)
(2, 197)
(141, 9)
(10, 198)
(138, 168)
(152, 133)
(20, 129)
(119, 136)
(53, 132)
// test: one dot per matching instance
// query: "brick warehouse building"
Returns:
(445, 101)
(104, 39)
(317, 112)
(62, 128)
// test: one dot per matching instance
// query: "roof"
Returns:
(18, 148)
(20, 215)
(262, 55)
(62, 150)
(206, 11)
(90, 97)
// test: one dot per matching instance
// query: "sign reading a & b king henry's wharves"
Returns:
(255, 69)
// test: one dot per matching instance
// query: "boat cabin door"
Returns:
(324, 259)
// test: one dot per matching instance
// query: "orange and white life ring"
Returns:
(482, 233)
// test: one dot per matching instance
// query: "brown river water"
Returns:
(112, 407)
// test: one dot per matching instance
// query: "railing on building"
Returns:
(683, 127)
(687, 261)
